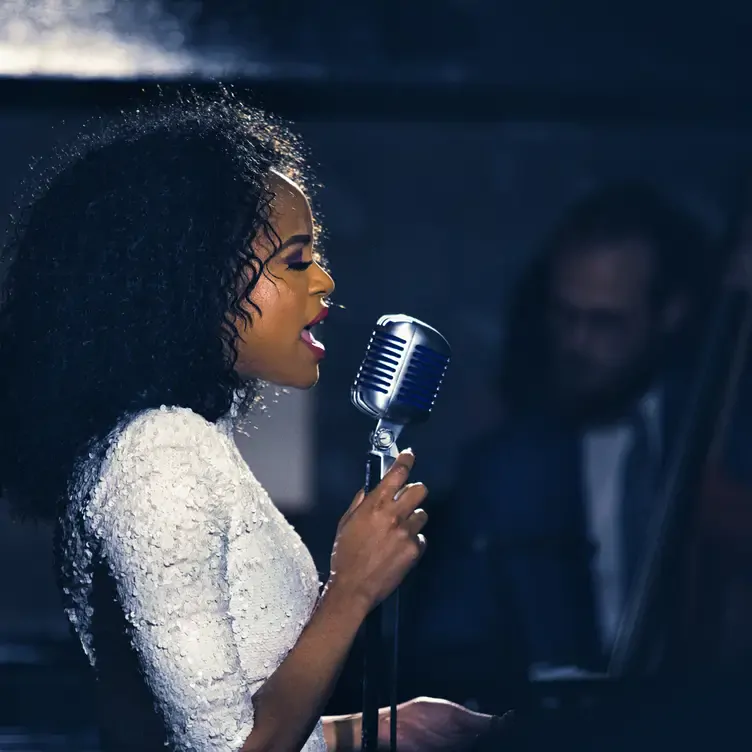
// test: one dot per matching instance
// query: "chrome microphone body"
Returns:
(399, 378)
(396, 384)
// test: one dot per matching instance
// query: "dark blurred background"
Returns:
(451, 137)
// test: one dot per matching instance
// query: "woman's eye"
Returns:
(299, 266)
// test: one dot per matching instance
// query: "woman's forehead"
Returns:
(291, 212)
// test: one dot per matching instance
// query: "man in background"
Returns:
(596, 368)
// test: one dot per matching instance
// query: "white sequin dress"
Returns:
(186, 586)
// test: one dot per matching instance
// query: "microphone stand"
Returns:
(380, 458)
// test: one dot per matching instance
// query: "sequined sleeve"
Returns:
(158, 517)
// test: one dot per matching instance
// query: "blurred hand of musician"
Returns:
(428, 725)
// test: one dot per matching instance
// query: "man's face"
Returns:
(603, 326)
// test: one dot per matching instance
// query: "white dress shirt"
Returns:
(604, 451)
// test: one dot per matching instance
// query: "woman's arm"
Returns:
(162, 536)
(290, 703)
(377, 542)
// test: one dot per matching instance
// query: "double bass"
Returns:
(690, 611)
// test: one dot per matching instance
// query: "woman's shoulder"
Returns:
(164, 457)
(167, 427)
(170, 441)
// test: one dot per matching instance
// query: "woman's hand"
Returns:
(378, 540)
(428, 725)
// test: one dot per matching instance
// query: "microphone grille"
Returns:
(402, 370)
(420, 383)
(381, 363)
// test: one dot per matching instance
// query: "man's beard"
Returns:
(605, 405)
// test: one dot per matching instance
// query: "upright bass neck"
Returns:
(642, 646)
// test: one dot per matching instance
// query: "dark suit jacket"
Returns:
(516, 582)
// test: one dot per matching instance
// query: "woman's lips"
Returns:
(322, 315)
(307, 336)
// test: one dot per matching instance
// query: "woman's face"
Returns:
(290, 294)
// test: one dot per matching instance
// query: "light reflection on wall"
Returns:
(277, 444)
(90, 38)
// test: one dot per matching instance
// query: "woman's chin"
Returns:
(303, 380)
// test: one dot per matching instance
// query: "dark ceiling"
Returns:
(444, 58)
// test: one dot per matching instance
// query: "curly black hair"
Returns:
(125, 269)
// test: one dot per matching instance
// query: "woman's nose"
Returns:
(324, 283)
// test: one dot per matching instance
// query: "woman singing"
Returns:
(164, 270)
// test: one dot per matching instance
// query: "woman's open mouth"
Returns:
(307, 335)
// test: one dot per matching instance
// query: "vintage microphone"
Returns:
(396, 385)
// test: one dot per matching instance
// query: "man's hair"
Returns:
(625, 213)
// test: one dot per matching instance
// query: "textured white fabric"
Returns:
(215, 586)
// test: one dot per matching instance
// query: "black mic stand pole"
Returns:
(380, 458)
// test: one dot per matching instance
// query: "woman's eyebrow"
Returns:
(295, 240)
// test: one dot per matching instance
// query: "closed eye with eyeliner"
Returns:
(295, 260)
(299, 266)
